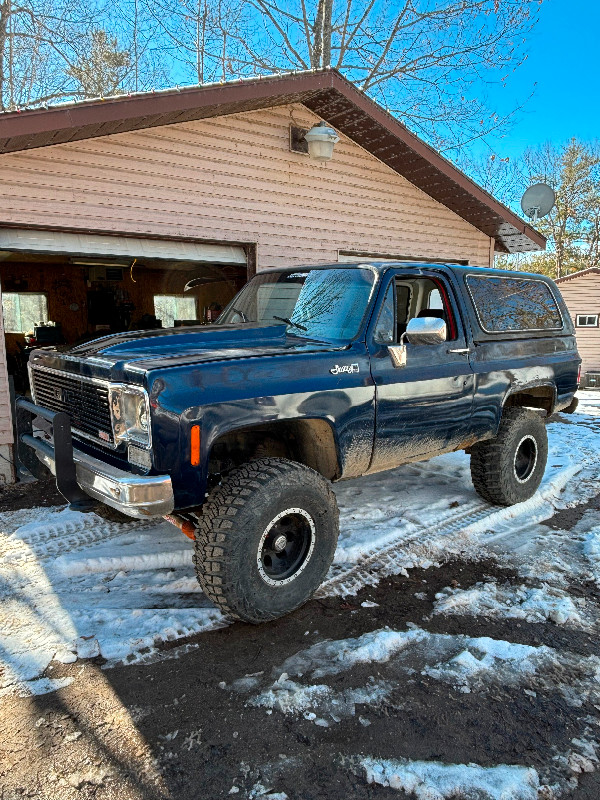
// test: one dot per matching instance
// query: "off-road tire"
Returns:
(231, 529)
(494, 466)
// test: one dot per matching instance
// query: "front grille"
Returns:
(84, 401)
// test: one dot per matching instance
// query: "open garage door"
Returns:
(61, 288)
(89, 244)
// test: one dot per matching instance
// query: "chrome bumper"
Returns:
(139, 496)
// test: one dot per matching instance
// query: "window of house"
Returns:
(587, 321)
(513, 304)
(169, 307)
(23, 310)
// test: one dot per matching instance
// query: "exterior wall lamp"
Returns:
(318, 142)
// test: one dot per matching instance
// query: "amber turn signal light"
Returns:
(195, 446)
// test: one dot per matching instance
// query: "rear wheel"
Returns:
(509, 468)
(266, 538)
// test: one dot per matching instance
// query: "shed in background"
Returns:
(581, 292)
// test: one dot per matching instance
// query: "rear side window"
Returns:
(513, 304)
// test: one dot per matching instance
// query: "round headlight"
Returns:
(142, 415)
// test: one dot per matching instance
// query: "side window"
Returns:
(433, 301)
(415, 297)
(384, 330)
(513, 304)
(403, 295)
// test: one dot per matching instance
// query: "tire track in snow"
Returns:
(48, 539)
(461, 529)
(345, 580)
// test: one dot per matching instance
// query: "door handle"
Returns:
(460, 350)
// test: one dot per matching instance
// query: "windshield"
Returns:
(316, 304)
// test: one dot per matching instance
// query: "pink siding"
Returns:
(582, 296)
(234, 179)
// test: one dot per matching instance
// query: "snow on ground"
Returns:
(591, 548)
(75, 586)
(466, 663)
(532, 604)
(431, 780)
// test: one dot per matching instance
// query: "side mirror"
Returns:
(426, 330)
(420, 330)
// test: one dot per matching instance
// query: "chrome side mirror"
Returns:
(420, 330)
(426, 330)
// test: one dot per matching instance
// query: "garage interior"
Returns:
(63, 299)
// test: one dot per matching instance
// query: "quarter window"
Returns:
(23, 311)
(385, 330)
(513, 304)
(587, 321)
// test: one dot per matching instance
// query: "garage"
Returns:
(109, 208)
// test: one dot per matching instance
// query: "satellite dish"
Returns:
(538, 201)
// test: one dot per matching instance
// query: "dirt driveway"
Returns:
(452, 653)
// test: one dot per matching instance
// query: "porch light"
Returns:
(321, 140)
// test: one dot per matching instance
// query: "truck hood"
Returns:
(123, 356)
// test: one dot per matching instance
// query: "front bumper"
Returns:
(80, 476)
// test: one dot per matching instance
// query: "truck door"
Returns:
(423, 408)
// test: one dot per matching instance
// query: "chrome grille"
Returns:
(86, 402)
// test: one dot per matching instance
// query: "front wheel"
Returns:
(266, 538)
(509, 468)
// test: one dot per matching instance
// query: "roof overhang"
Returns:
(327, 93)
(581, 273)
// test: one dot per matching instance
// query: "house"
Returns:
(581, 291)
(109, 207)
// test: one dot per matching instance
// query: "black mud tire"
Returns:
(509, 468)
(232, 526)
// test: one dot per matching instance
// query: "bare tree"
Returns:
(101, 66)
(425, 60)
(201, 37)
(139, 24)
(38, 42)
(572, 228)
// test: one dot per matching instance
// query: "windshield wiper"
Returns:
(289, 322)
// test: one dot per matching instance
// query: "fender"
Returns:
(237, 396)
(531, 390)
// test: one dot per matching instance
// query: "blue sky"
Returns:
(564, 58)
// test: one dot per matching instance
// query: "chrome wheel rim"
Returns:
(286, 547)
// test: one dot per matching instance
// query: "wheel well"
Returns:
(308, 441)
(533, 397)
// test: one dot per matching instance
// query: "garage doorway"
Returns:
(76, 293)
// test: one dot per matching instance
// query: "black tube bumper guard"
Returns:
(81, 479)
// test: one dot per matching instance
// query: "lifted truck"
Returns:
(234, 431)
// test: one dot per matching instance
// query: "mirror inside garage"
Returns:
(64, 300)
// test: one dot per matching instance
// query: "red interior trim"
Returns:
(447, 306)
